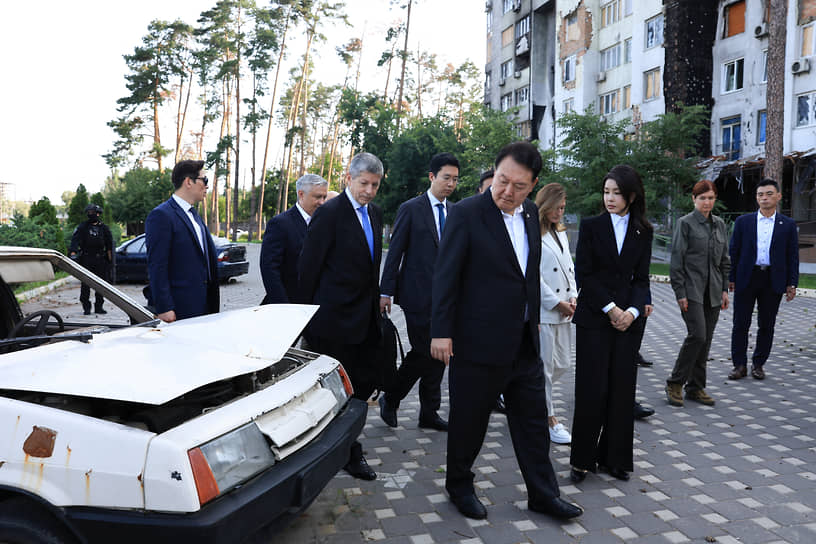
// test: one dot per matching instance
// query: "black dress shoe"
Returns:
(99, 310)
(577, 476)
(641, 411)
(500, 407)
(757, 372)
(556, 507)
(641, 361)
(359, 469)
(618, 473)
(433, 422)
(387, 412)
(470, 506)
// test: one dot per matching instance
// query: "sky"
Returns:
(62, 70)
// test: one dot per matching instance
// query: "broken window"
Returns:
(732, 75)
(652, 84)
(806, 109)
(522, 27)
(806, 40)
(627, 97)
(507, 36)
(734, 19)
(507, 6)
(489, 21)
(569, 105)
(627, 50)
(654, 31)
(506, 101)
(506, 69)
(731, 128)
(762, 119)
(571, 22)
(522, 96)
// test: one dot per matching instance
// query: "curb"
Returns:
(807, 293)
(31, 293)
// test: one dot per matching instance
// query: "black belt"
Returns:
(763, 267)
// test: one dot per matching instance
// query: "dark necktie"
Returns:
(202, 241)
(441, 209)
(369, 233)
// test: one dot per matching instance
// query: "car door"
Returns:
(131, 261)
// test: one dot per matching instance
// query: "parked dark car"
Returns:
(131, 260)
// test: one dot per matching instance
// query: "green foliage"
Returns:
(592, 146)
(76, 208)
(140, 190)
(483, 134)
(408, 161)
(43, 212)
(371, 123)
(30, 232)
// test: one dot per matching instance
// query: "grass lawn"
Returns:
(23, 287)
(806, 281)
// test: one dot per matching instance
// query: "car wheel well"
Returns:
(27, 520)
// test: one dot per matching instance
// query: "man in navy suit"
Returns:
(484, 323)
(764, 253)
(180, 252)
(283, 240)
(339, 270)
(407, 277)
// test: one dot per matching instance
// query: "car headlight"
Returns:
(222, 256)
(225, 462)
(338, 383)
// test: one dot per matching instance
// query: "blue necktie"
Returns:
(440, 208)
(369, 233)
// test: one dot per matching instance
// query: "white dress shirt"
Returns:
(186, 206)
(619, 226)
(765, 228)
(518, 236)
(434, 202)
(306, 217)
(356, 205)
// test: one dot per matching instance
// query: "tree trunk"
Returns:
(181, 117)
(775, 127)
(271, 115)
(156, 134)
(304, 92)
(388, 74)
(419, 81)
(404, 59)
(237, 148)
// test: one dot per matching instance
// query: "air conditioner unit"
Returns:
(800, 66)
(502, 81)
(760, 31)
(517, 74)
(600, 76)
(516, 5)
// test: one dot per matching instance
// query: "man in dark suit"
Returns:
(180, 252)
(407, 276)
(484, 323)
(283, 240)
(339, 270)
(764, 253)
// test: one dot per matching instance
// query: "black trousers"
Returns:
(418, 365)
(99, 266)
(759, 292)
(473, 391)
(360, 364)
(605, 373)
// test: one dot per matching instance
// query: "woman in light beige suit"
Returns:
(558, 294)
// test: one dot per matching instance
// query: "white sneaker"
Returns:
(560, 435)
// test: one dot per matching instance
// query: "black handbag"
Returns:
(387, 353)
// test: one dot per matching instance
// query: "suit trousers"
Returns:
(690, 366)
(473, 391)
(605, 372)
(759, 292)
(418, 365)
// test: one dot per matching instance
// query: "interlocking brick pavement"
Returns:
(742, 471)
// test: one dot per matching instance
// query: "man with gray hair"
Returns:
(283, 240)
(339, 270)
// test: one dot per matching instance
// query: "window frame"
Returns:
(762, 126)
(569, 61)
(508, 31)
(626, 98)
(658, 84)
(764, 78)
(506, 69)
(811, 29)
(490, 21)
(627, 51)
(729, 124)
(524, 24)
(507, 6)
(522, 91)
(571, 23)
(726, 19)
(810, 120)
(611, 13)
(725, 78)
(506, 101)
(614, 50)
(568, 105)
(609, 103)
(658, 40)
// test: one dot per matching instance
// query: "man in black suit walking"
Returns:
(484, 322)
(283, 240)
(339, 270)
(407, 275)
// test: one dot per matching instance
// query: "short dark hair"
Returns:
(186, 169)
(768, 181)
(524, 153)
(486, 175)
(442, 159)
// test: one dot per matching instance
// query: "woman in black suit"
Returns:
(612, 273)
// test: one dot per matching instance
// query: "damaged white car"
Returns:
(204, 430)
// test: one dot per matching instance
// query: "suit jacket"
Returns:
(604, 276)
(409, 265)
(280, 251)
(557, 277)
(181, 277)
(480, 295)
(699, 259)
(784, 252)
(336, 271)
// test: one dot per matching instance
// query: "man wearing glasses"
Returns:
(180, 252)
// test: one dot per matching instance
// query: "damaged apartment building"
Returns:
(633, 59)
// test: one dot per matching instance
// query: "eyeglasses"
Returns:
(202, 178)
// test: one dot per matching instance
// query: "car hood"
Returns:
(154, 365)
